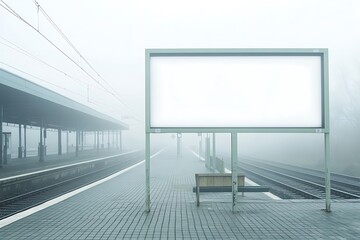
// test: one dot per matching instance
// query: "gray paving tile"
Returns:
(115, 210)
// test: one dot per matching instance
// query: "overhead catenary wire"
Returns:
(92, 101)
(43, 80)
(24, 52)
(17, 48)
(64, 36)
(13, 12)
(113, 93)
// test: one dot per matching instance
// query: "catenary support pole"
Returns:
(147, 172)
(20, 143)
(234, 169)
(59, 142)
(327, 173)
(25, 146)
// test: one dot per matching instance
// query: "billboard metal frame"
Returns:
(323, 53)
(324, 129)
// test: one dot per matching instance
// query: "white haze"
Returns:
(113, 35)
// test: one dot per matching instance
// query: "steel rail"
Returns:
(334, 191)
(7, 203)
(283, 185)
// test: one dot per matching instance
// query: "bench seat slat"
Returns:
(229, 189)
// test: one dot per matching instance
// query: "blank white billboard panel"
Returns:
(235, 92)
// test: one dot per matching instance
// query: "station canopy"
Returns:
(25, 102)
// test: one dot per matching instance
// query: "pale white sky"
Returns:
(113, 35)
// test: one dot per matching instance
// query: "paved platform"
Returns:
(115, 210)
(17, 166)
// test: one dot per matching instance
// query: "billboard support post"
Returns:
(234, 177)
(327, 173)
(147, 171)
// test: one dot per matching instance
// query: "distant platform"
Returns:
(115, 210)
(19, 166)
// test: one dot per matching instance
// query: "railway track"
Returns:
(344, 183)
(293, 183)
(18, 203)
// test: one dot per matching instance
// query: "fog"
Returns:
(113, 35)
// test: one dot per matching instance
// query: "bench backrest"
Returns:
(217, 179)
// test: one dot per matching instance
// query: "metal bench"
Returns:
(221, 182)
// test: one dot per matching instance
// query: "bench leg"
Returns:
(197, 196)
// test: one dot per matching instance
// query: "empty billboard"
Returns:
(244, 90)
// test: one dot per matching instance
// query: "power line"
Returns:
(43, 80)
(64, 36)
(26, 53)
(63, 88)
(74, 48)
(113, 93)
(10, 10)
(13, 12)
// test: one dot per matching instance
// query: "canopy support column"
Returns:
(102, 139)
(24, 141)
(67, 141)
(20, 147)
(120, 141)
(97, 141)
(41, 146)
(94, 139)
(82, 140)
(59, 142)
(77, 139)
(109, 140)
